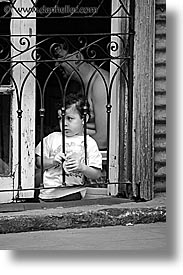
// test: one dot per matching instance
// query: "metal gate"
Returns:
(32, 33)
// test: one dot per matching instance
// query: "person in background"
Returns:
(98, 80)
(73, 161)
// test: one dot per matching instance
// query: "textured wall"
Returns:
(160, 96)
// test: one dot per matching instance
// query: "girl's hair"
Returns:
(79, 101)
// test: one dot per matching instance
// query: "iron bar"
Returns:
(108, 109)
(66, 17)
(42, 113)
(53, 61)
(85, 111)
(41, 188)
(19, 111)
(68, 35)
(63, 137)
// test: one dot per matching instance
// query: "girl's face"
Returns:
(73, 122)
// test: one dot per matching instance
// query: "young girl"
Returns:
(74, 157)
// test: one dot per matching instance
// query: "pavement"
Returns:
(141, 238)
(87, 213)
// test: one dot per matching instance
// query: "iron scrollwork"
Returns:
(101, 48)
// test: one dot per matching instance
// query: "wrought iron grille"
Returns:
(86, 28)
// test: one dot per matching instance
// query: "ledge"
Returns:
(83, 216)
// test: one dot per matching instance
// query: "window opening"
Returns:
(89, 34)
(5, 95)
(5, 134)
(78, 33)
(5, 45)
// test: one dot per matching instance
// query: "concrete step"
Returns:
(81, 214)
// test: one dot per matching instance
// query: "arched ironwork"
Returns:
(103, 48)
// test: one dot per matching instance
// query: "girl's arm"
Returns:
(50, 162)
(91, 172)
(74, 165)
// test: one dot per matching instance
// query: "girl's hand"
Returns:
(58, 159)
(73, 165)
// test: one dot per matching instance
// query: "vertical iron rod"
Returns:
(42, 113)
(108, 107)
(19, 111)
(63, 141)
(85, 109)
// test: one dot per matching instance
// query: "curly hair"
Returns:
(77, 99)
